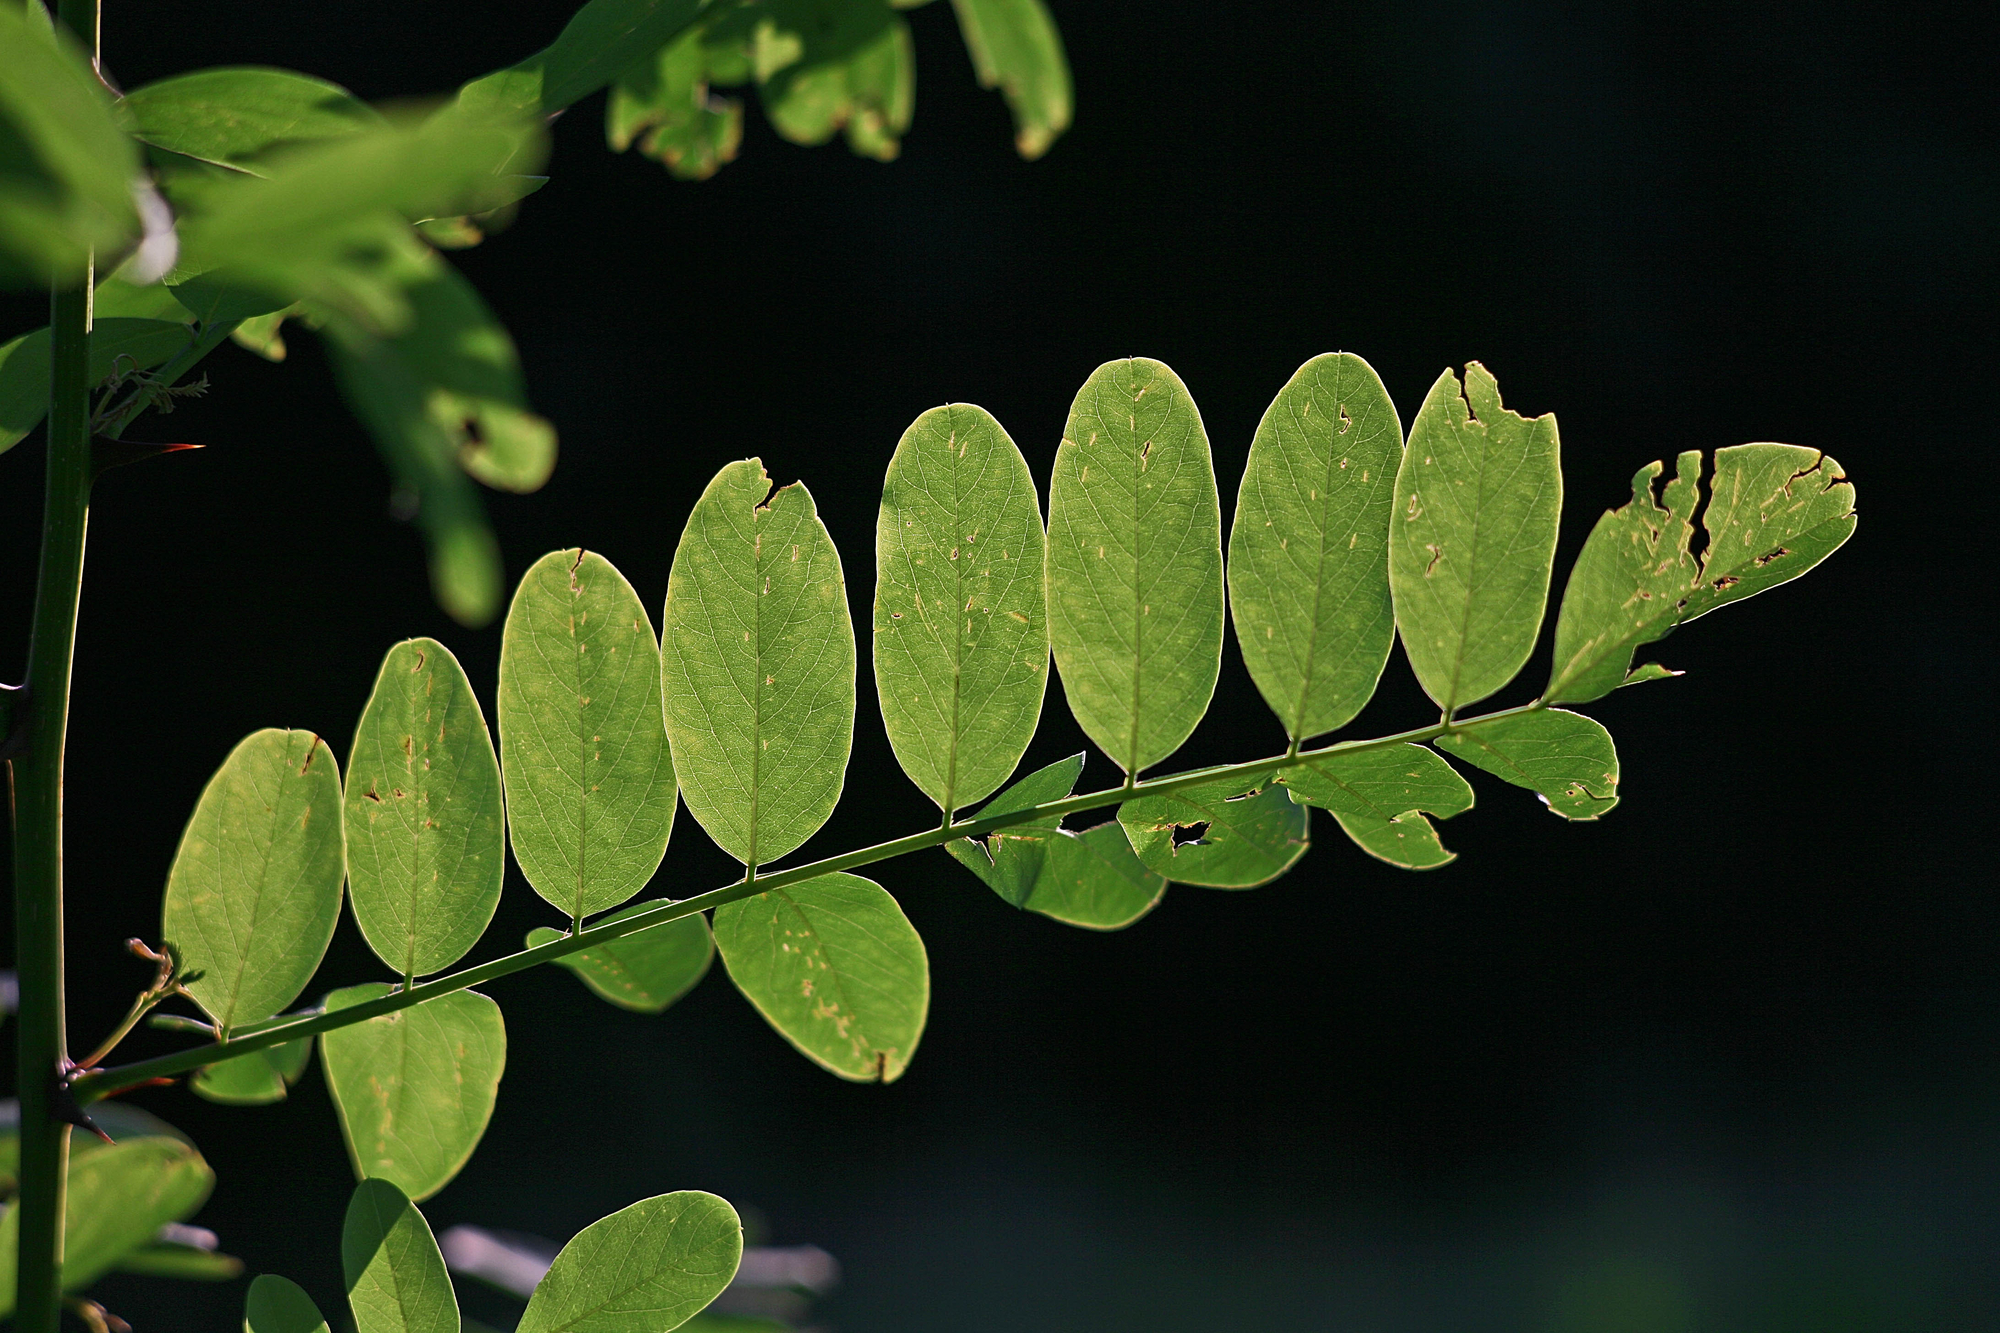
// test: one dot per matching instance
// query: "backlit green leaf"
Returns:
(415, 1088)
(590, 783)
(758, 665)
(961, 628)
(278, 1305)
(255, 888)
(645, 972)
(1774, 511)
(1135, 563)
(1565, 756)
(256, 1079)
(1309, 548)
(599, 43)
(118, 346)
(1091, 879)
(426, 833)
(119, 1198)
(648, 1268)
(1378, 797)
(234, 116)
(69, 171)
(1473, 538)
(824, 65)
(1230, 835)
(396, 1279)
(664, 104)
(1015, 47)
(836, 968)
(1010, 860)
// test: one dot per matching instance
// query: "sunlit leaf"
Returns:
(255, 888)
(396, 1280)
(961, 626)
(1472, 538)
(1010, 859)
(414, 1088)
(1135, 563)
(645, 972)
(644, 1269)
(119, 1197)
(825, 65)
(590, 783)
(234, 116)
(256, 1079)
(1092, 879)
(262, 334)
(1566, 757)
(599, 43)
(836, 968)
(1379, 798)
(1309, 547)
(278, 1305)
(120, 346)
(1230, 835)
(758, 665)
(426, 832)
(69, 171)
(1016, 48)
(664, 104)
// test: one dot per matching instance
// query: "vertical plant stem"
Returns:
(36, 783)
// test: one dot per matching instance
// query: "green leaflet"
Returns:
(1135, 563)
(1378, 797)
(69, 170)
(599, 43)
(1015, 47)
(648, 1268)
(1565, 756)
(961, 623)
(590, 784)
(1248, 831)
(824, 65)
(1309, 548)
(117, 346)
(277, 1305)
(758, 669)
(426, 831)
(836, 968)
(1473, 538)
(1010, 861)
(1777, 510)
(396, 1280)
(645, 972)
(254, 892)
(186, 1263)
(119, 1198)
(234, 116)
(665, 105)
(256, 1079)
(415, 1088)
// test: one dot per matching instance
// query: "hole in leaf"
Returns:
(1189, 835)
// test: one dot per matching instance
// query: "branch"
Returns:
(102, 1083)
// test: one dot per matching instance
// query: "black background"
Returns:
(1724, 1060)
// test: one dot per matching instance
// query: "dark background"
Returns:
(1725, 1060)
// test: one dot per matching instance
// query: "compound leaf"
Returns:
(1016, 48)
(233, 116)
(590, 783)
(1309, 548)
(1473, 538)
(836, 968)
(648, 1268)
(1566, 757)
(426, 830)
(415, 1088)
(1135, 563)
(1379, 798)
(256, 1079)
(254, 892)
(961, 623)
(396, 1279)
(278, 1305)
(758, 669)
(599, 43)
(1244, 832)
(645, 972)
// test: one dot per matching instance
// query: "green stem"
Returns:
(104, 1082)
